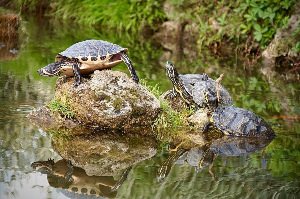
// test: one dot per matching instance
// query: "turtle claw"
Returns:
(76, 84)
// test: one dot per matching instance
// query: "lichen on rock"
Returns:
(109, 99)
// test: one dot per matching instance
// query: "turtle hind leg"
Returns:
(128, 62)
(77, 75)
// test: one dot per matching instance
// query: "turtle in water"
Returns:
(196, 90)
(214, 107)
(83, 58)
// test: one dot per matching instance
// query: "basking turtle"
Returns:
(214, 106)
(240, 122)
(197, 90)
(85, 57)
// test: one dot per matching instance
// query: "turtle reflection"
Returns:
(74, 180)
(202, 157)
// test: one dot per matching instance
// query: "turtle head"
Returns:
(51, 69)
(43, 166)
(178, 84)
(171, 71)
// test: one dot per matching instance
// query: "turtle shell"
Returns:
(90, 50)
(240, 122)
(203, 90)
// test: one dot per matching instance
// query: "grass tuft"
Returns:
(62, 108)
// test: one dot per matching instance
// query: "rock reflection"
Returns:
(202, 157)
(95, 163)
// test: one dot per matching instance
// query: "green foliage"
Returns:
(262, 18)
(123, 15)
(297, 47)
(226, 20)
(62, 108)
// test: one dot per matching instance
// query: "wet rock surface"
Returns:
(109, 99)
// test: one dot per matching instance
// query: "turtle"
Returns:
(235, 121)
(84, 57)
(196, 90)
(74, 180)
(214, 107)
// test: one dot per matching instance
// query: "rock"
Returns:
(199, 119)
(285, 38)
(46, 119)
(109, 99)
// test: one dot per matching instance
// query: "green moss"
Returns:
(62, 108)
(102, 96)
(169, 122)
(154, 89)
(117, 103)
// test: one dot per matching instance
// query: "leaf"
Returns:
(257, 27)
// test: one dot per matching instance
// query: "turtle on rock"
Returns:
(213, 106)
(197, 90)
(84, 57)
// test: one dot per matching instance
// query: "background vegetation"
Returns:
(252, 21)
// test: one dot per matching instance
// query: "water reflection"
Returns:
(74, 180)
(95, 163)
(201, 157)
(104, 153)
(9, 36)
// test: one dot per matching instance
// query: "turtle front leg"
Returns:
(77, 75)
(173, 94)
(129, 65)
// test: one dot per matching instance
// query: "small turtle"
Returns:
(85, 57)
(197, 90)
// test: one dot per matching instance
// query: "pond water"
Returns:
(267, 172)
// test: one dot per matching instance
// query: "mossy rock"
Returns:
(109, 99)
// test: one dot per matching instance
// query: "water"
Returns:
(272, 171)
